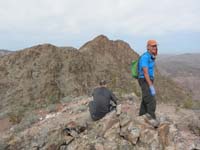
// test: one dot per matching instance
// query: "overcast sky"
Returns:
(174, 24)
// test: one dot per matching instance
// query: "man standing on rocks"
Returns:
(101, 103)
(146, 67)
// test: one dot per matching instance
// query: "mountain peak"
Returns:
(101, 38)
(96, 42)
(102, 43)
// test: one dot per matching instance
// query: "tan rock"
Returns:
(163, 133)
(119, 109)
(124, 119)
(110, 145)
(130, 133)
(112, 133)
(99, 146)
(133, 135)
(147, 136)
(108, 121)
(68, 139)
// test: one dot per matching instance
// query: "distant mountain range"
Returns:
(5, 52)
(184, 69)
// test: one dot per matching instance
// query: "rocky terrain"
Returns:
(184, 69)
(42, 104)
(69, 127)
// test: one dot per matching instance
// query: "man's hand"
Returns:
(152, 90)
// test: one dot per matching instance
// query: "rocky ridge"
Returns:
(71, 128)
(43, 74)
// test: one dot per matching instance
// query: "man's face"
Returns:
(153, 49)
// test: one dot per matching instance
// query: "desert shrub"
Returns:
(28, 119)
(188, 104)
(80, 108)
(4, 114)
(51, 108)
(16, 115)
(177, 108)
(196, 105)
(66, 99)
(80, 98)
(3, 145)
(53, 99)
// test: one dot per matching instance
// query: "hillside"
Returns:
(44, 95)
(183, 69)
(41, 75)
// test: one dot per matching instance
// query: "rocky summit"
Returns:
(71, 128)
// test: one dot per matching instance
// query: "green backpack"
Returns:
(134, 68)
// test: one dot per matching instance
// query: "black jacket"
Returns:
(102, 98)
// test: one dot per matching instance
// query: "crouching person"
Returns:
(102, 101)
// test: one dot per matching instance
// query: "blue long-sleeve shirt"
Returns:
(146, 60)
